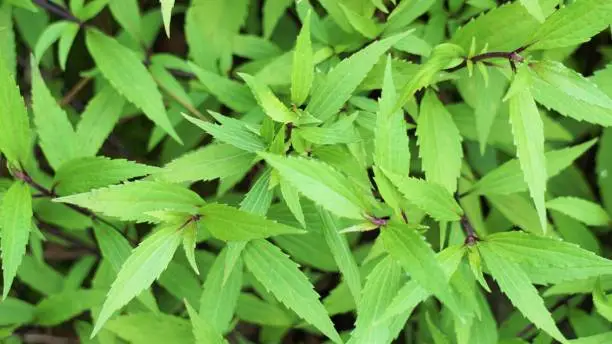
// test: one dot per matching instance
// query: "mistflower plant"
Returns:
(310, 171)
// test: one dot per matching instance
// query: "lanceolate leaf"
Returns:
(549, 260)
(508, 178)
(203, 332)
(533, 7)
(515, 284)
(122, 68)
(431, 198)
(210, 162)
(585, 211)
(327, 99)
(391, 150)
(84, 174)
(302, 73)
(98, 119)
(144, 266)
(569, 93)
(166, 8)
(219, 297)
(380, 287)
(58, 140)
(439, 143)
(131, 201)
(231, 93)
(407, 246)
(342, 253)
(270, 104)
(127, 13)
(15, 141)
(528, 135)
(15, 223)
(321, 183)
(230, 131)
(573, 24)
(230, 224)
(281, 277)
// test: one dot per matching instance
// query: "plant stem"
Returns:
(470, 234)
(74, 91)
(25, 177)
(60, 11)
(511, 56)
(60, 234)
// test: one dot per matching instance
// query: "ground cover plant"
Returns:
(278, 171)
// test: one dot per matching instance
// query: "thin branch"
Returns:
(184, 104)
(511, 56)
(58, 10)
(74, 91)
(76, 242)
(24, 176)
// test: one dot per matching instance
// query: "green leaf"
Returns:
(51, 34)
(127, 13)
(411, 249)
(15, 312)
(234, 95)
(508, 178)
(180, 282)
(528, 133)
(328, 98)
(144, 266)
(602, 303)
(320, 183)
(391, 146)
(166, 8)
(302, 72)
(216, 23)
(98, 119)
(569, 93)
(269, 103)
(15, 141)
(604, 168)
(58, 140)
(484, 93)
(16, 223)
(342, 131)
(65, 43)
(365, 26)
(210, 162)
(549, 260)
(203, 332)
(254, 310)
(431, 198)
(291, 197)
(516, 285)
(380, 287)
(282, 277)
(440, 143)
(441, 56)
(533, 7)
(189, 244)
(150, 328)
(582, 210)
(492, 30)
(84, 174)
(123, 69)
(230, 224)
(273, 11)
(232, 131)
(7, 37)
(219, 297)
(341, 251)
(573, 24)
(59, 308)
(133, 200)
(519, 210)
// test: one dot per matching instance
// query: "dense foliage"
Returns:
(267, 171)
